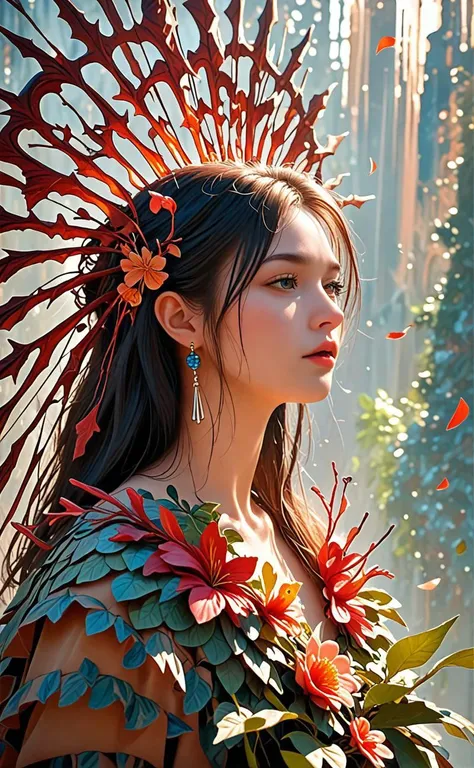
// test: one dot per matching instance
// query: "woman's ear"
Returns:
(178, 320)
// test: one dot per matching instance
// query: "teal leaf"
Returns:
(88, 760)
(4, 664)
(231, 674)
(60, 606)
(108, 689)
(217, 649)
(66, 577)
(140, 712)
(251, 625)
(169, 589)
(107, 547)
(136, 556)
(94, 568)
(196, 635)
(135, 657)
(98, 621)
(116, 562)
(198, 692)
(173, 493)
(257, 663)
(130, 586)
(147, 615)
(13, 704)
(89, 670)
(234, 636)
(151, 508)
(176, 726)
(39, 610)
(145, 494)
(73, 686)
(176, 613)
(123, 630)
(85, 547)
(157, 643)
(89, 602)
(50, 685)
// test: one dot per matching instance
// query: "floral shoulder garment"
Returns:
(144, 639)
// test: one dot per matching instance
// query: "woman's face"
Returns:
(290, 308)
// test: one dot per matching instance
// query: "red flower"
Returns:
(146, 268)
(325, 674)
(369, 743)
(343, 574)
(215, 583)
(131, 295)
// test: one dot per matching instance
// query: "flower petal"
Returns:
(154, 280)
(133, 277)
(205, 603)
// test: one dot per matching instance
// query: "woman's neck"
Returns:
(227, 475)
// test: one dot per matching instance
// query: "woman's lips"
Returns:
(325, 359)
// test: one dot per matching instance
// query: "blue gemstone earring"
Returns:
(194, 361)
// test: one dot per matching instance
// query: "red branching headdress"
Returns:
(269, 124)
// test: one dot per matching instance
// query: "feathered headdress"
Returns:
(203, 115)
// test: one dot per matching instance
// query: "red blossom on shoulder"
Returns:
(215, 583)
(277, 606)
(343, 574)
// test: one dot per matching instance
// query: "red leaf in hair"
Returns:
(84, 430)
(128, 532)
(25, 529)
(158, 201)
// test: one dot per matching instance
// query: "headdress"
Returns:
(203, 115)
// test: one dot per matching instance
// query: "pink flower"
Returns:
(369, 743)
(325, 674)
(215, 583)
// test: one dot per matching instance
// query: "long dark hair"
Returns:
(140, 415)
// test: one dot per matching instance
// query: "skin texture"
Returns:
(281, 322)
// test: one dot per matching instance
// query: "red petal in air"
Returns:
(443, 485)
(460, 414)
(385, 42)
(373, 166)
(429, 585)
(398, 334)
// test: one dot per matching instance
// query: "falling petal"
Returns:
(373, 166)
(461, 547)
(385, 42)
(429, 585)
(398, 334)
(443, 484)
(460, 414)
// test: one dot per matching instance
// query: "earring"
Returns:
(194, 361)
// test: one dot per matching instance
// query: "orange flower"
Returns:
(131, 295)
(145, 267)
(277, 607)
(325, 674)
(369, 743)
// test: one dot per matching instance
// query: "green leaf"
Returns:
(60, 606)
(198, 692)
(89, 671)
(217, 648)
(257, 663)
(231, 674)
(249, 755)
(147, 615)
(196, 635)
(172, 493)
(93, 568)
(244, 721)
(66, 577)
(251, 625)
(308, 746)
(411, 713)
(462, 658)
(176, 613)
(116, 562)
(411, 652)
(406, 752)
(382, 693)
(130, 586)
(98, 621)
(293, 760)
(107, 547)
(232, 536)
(108, 689)
(123, 630)
(160, 647)
(176, 726)
(234, 636)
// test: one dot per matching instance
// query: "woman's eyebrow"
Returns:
(300, 258)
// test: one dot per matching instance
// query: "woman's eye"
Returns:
(337, 286)
(286, 279)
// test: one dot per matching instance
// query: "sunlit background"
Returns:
(408, 111)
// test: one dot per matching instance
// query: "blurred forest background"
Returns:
(409, 110)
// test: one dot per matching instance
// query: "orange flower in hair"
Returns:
(130, 295)
(146, 268)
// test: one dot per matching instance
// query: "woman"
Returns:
(281, 273)
(177, 600)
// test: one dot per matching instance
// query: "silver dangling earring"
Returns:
(194, 361)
